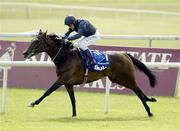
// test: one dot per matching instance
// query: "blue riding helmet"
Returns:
(69, 20)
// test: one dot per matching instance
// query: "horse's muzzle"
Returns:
(27, 55)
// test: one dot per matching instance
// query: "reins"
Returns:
(52, 47)
(57, 53)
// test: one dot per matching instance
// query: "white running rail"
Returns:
(125, 37)
(131, 37)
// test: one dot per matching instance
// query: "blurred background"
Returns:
(111, 17)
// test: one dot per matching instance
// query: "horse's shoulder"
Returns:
(73, 53)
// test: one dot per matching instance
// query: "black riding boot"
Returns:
(91, 60)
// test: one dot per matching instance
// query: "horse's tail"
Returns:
(142, 67)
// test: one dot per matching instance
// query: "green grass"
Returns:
(54, 113)
(122, 26)
(126, 112)
(170, 5)
(16, 20)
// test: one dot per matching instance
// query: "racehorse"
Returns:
(70, 68)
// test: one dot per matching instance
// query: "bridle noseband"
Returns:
(57, 53)
(46, 48)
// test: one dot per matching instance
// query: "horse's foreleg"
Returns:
(55, 86)
(143, 100)
(70, 90)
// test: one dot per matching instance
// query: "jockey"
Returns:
(87, 33)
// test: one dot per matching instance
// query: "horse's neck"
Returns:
(52, 53)
(59, 56)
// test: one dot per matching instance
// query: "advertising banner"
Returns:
(38, 77)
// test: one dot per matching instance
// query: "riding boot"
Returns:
(91, 61)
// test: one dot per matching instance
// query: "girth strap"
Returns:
(86, 75)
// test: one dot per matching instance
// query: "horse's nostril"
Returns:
(25, 53)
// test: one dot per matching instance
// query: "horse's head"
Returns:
(43, 42)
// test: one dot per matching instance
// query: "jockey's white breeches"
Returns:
(84, 42)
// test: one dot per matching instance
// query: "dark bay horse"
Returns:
(70, 70)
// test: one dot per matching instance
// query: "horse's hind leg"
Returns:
(142, 97)
(151, 99)
(131, 84)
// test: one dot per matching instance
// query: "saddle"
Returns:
(101, 60)
(100, 57)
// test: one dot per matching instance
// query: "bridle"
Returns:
(46, 48)
(57, 53)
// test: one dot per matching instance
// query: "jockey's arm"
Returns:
(68, 33)
(74, 37)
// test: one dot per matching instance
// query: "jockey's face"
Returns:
(71, 26)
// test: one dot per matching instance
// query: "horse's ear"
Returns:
(40, 32)
(45, 33)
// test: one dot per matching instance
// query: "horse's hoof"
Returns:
(150, 115)
(153, 99)
(74, 115)
(31, 104)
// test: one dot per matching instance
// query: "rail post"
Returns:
(150, 43)
(107, 90)
(4, 90)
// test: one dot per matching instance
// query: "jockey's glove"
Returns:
(68, 43)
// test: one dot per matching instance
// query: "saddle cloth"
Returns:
(101, 59)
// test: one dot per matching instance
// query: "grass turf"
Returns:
(17, 20)
(54, 113)
(165, 5)
(126, 112)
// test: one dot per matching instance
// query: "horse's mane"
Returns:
(54, 37)
(58, 39)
